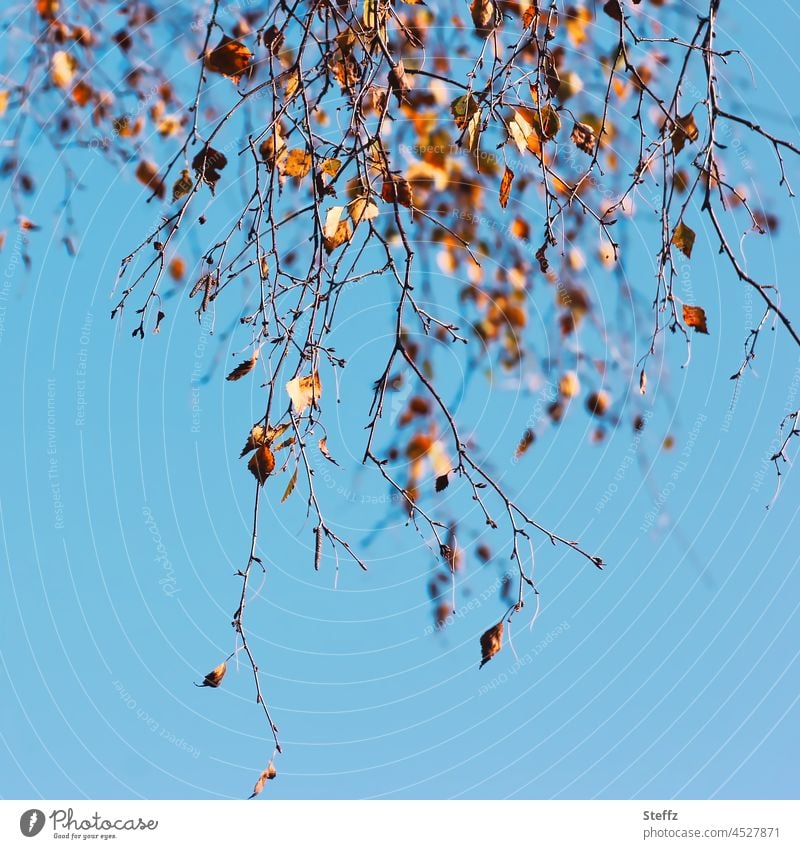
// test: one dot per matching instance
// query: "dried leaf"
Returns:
(323, 447)
(230, 58)
(695, 317)
(243, 368)
(397, 190)
(182, 186)
(261, 435)
(525, 443)
(291, 485)
(505, 186)
(685, 130)
(269, 773)
(332, 221)
(207, 165)
(298, 163)
(643, 381)
(683, 239)
(442, 482)
(484, 15)
(214, 678)
(343, 234)
(262, 464)
(491, 642)
(304, 391)
(398, 82)
(598, 403)
(583, 137)
(362, 209)
(331, 167)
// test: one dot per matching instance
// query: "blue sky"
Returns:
(124, 512)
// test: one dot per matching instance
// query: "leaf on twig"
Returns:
(207, 165)
(262, 464)
(685, 129)
(214, 678)
(304, 391)
(243, 368)
(491, 642)
(230, 58)
(397, 190)
(683, 239)
(261, 435)
(323, 447)
(442, 482)
(182, 186)
(298, 163)
(695, 317)
(269, 773)
(291, 485)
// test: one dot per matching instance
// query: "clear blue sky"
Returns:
(673, 673)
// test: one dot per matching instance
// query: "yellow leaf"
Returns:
(342, 234)
(3, 102)
(331, 167)
(332, 221)
(683, 239)
(304, 391)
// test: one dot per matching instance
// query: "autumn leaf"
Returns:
(177, 268)
(491, 642)
(332, 221)
(304, 391)
(261, 435)
(525, 443)
(214, 678)
(695, 317)
(598, 403)
(262, 464)
(291, 485)
(63, 66)
(520, 130)
(399, 83)
(397, 190)
(546, 122)
(569, 385)
(298, 163)
(505, 186)
(342, 234)
(683, 239)
(230, 58)
(243, 368)
(147, 175)
(484, 15)
(323, 447)
(583, 137)
(207, 165)
(643, 379)
(685, 129)
(269, 773)
(442, 482)
(362, 209)
(330, 167)
(182, 186)
(273, 149)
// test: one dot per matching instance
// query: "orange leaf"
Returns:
(269, 773)
(695, 317)
(298, 163)
(491, 642)
(214, 678)
(261, 464)
(683, 239)
(229, 58)
(147, 175)
(505, 186)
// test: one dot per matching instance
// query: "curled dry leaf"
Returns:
(207, 164)
(484, 15)
(323, 447)
(583, 137)
(214, 678)
(643, 382)
(341, 235)
(262, 463)
(269, 773)
(695, 317)
(230, 58)
(525, 443)
(491, 642)
(243, 368)
(261, 435)
(304, 391)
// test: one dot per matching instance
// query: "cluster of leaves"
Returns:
(407, 143)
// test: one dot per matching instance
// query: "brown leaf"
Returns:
(505, 186)
(398, 82)
(685, 130)
(304, 391)
(397, 190)
(683, 239)
(442, 482)
(491, 642)
(613, 10)
(214, 678)
(291, 485)
(262, 464)
(230, 58)
(583, 137)
(269, 773)
(207, 164)
(147, 175)
(643, 380)
(484, 15)
(695, 317)
(261, 435)
(343, 233)
(182, 186)
(525, 443)
(243, 368)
